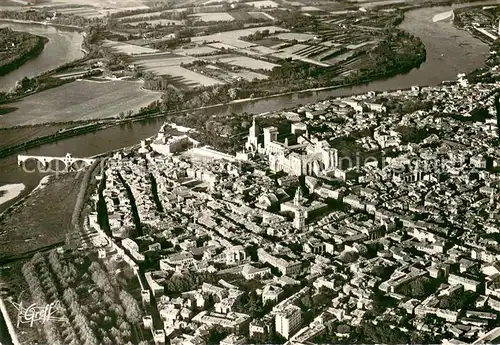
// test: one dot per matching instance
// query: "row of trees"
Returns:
(159, 5)
(108, 313)
(171, 43)
(66, 274)
(61, 19)
(43, 290)
(257, 35)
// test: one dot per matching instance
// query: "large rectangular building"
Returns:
(288, 321)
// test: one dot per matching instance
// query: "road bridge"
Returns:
(70, 163)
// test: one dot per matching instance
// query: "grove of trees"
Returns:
(98, 309)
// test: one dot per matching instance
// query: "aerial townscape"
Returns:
(197, 172)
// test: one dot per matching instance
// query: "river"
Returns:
(449, 52)
(63, 46)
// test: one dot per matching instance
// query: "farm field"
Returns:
(283, 55)
(128, 49)
(310, 9)
(142, 15)
(223, 41)
(248, 75)
(163, 22)
(79, 100)
(246, 62)
(385, 3)
(34, 227)
(15, 136)
(217, 1)
(212, 17)
(269, 42)
(231, 38)
(87, 12)
(107, 4)
(144, 41)
(261, 15)
(362, 44)
(182, 77)
(13, 3)
(292, 3)
(154, 62)
(196, 51)
(340, 58)
(240, 15)
(229, 75)
(219, 45)
(168, 64)
(290, 36)
(258, 51)
(295, 48)
(263, 4)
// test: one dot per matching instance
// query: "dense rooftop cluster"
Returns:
(238, 248)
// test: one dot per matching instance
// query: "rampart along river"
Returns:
(449, 52)
(63, 46)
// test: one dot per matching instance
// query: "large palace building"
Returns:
(307, 156)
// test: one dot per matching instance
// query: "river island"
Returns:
(18, 47)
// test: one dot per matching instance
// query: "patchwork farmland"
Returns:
(169, 66)
(159, 22)
(125, 48)
(203, 43)
(212, 17)
(246, 62)
(236, 56)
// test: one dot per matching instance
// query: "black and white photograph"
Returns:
(249, 172)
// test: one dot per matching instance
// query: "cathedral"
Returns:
(308, 156)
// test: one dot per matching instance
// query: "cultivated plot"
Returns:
(157, 61)
(217, 1)
(310, 9)
(142, 15)
(126, 48)
(247, 75)
(263, 4)
(212, 17)
(231, 38)
(202, 50)
(184, 78)
(87, 12)
(290, 36)
(261, 15)
(79, 100)
(246, 62)
(123, 5)
(160, 22)
(169, 65)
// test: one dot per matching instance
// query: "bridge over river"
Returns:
(57, 164)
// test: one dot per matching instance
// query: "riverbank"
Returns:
(10, 191)
(22, 47)
(63, 46)
(92, 126)
(43, 182)
(45, 222)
